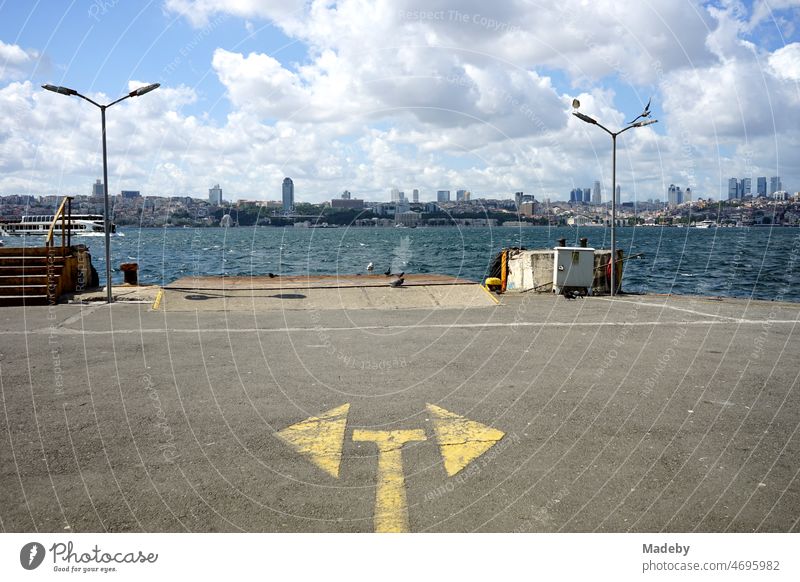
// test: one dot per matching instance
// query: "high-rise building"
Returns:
(461, 195)
(97, 189)
(288, 195)
(674, 195)
(775, 185)
(346, 195)
(619, 195)
(744, 187)
(394, 195)
(573, 195)
(215, 195)
(415, 195)
(761, 186)
(687, 195)
(443, 196)
(733, 189)
(597, 195)
(587, 195)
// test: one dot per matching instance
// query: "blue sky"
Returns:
(367, 96)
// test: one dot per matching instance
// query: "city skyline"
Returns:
(255, 92)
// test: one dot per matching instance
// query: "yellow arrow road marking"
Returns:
(320, 438)
(391, 508)
(461, 441)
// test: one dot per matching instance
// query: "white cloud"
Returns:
(785, 62)
(15, 61)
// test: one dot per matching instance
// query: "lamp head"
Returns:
(585, 118)
(142, 90)
(61, 90)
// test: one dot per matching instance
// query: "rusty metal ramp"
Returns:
(321, 292)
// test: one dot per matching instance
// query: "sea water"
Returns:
(755, 262)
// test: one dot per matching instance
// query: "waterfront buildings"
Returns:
(288, 195)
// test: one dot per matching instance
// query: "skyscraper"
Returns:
(415, 195)
(394, 195)
(619, 194)
(443, 196)
(596, 195)
(761, 186)
(288, 195)
(744, 187)
(215, 195)
(97, 189)
(674, 195)
(733, 189)
(687, 195)
(775, 185)
(461, 195)
(587, 195)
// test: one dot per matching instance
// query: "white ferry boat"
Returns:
(78, 224)
(706, 224)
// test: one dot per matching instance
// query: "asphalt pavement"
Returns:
(538, 414)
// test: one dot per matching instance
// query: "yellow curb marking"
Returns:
(391, 507)
(461, 441)
(157, 302)
(491, 296)
(320, 438)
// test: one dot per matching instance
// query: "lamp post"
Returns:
(635, 123)
(106, 216)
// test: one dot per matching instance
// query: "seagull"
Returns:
(370, 267)
(388, 272)
(645, 113)
(271, 275)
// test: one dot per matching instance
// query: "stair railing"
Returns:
(64, 216)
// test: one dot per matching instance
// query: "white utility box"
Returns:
(573, 267)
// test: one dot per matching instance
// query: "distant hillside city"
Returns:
(769, 205)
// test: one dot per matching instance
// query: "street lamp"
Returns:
(631, 124)
(107, 217)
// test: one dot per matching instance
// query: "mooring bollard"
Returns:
(131, 273)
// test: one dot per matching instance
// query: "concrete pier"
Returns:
(642, 413)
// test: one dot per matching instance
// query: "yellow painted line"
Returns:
(320, 438)
(157, 302)
(461, 440)
(391, 507)
(491, 295)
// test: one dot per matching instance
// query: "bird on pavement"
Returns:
(370, 267)
(396, 282)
